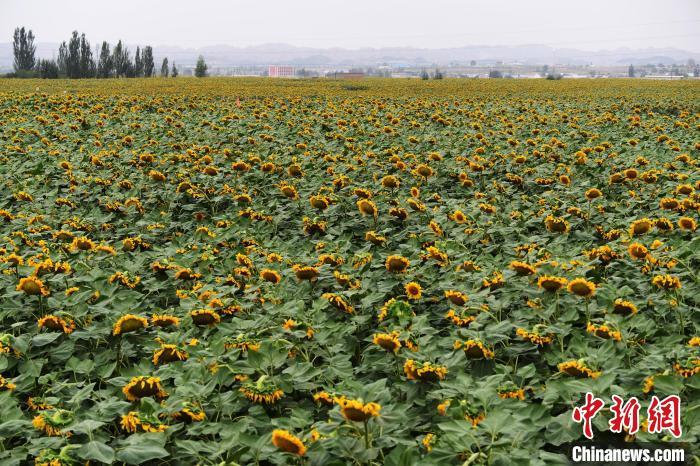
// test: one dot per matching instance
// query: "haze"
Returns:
(587, 25)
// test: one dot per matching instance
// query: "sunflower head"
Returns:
(551, 283)
(143, 386)
(129, 323)
(288, 442)
(413, 290)
(32, 286)
(397, 264)
(204, 317)
(581, 287)
(388, 341)
(357, 410)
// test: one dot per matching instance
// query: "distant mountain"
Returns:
(221, 56)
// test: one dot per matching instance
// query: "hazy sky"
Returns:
(583, 24)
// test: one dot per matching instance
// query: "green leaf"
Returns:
(97, 451)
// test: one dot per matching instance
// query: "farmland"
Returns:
(324, 272)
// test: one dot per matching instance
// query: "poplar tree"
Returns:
(164, 68)
(148, 65)
(24, 50)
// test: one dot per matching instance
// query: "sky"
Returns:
(584, 24)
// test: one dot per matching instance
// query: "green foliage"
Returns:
(200, 70)
(154, 197)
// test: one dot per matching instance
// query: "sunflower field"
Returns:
(251, 271)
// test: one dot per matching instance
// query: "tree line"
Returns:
(76, 60)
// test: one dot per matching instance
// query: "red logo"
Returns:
(662, 415)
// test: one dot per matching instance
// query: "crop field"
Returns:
(251, 271)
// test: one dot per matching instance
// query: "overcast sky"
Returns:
(583, 24)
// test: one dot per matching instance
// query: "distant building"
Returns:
(280, 71)
(663, 77)
(346, 75)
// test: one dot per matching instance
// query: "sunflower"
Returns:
(510, 391)
(637, 251)
(363, 193)
(6, 384)
(271, 276)
(423, 171)
(668, 282)
(624, 307)
(604, 331)
(648, 385)
(323, 397)
(459, 321)
(168, 353)
(397, 264)
(204, 317)
(399, 213)
(53, 422)
(474, 349)
(357, 410)
(687, 223)
(551, 283)
(534, 337)
(53, 322)
(134, 421)
(32, 286)
(374, 238)
(338, 302)
(663, 224)
(556, 224)
(669, 203)
(304, 272)
(388, 341)
(288, 442)
(319, 202)
(129, 323)
(522, 268)
(459, 217)
(189, 414)
(367, 207)
(413, 291)
(82, 244)
(593, 193)
(581, 287)
(435, 226)
(456, 297)
(142, 387)
(425, 372)
(687, 369)
(639, 227)
(312, 227)
(391, 182)
(578, 368)
(262, 391)
(164, 320)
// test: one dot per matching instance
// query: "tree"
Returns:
(86, 63)
(147, 58)
(122, 61)
(495, 74)
(438, 74)
(164, 68)
(138, 63)
(105, 66)
(48, 69)
(630, 71)
(424, 75)
(24, 49)
(62, 61)
(201, 69)
(73, 57)
(174, 72)
(472, 63)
